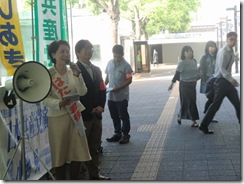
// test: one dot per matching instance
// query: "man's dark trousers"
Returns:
(222, 88)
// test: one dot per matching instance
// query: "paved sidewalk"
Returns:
(162, 150)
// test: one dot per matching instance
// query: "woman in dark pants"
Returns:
(187, 73)
(207, 67)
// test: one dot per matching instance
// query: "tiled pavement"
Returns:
(162, 150)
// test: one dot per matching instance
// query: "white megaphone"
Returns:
(31, 82)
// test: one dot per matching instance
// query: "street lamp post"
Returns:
(221, 34)
(221, 30)
(217, 28)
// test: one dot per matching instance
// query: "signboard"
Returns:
(11, 45)
(36, 133)
(51, 24)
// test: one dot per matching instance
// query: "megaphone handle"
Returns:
(9, 92)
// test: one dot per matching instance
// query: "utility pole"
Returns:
(222, 30)
(217, 27)
(221, 34)
(236, 46)
(235, 29)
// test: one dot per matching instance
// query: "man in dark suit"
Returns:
(94, 102)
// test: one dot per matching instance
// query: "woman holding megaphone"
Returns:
(66, 131)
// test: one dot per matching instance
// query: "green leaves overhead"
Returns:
(174, 16)
(153, 16)
(159, 15)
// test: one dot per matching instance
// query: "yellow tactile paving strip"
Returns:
(149, 162)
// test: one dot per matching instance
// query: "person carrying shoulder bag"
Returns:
(224, 84)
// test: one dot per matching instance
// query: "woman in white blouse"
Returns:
(67, 137)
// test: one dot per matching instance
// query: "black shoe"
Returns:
(214, 121)
(114, 138)
(100, 177)
(124, 139)
(205, 130)
(100, 149)
(179, 121)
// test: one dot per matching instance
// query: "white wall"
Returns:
(96, 29)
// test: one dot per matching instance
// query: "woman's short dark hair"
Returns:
(209, 44)
(82, 44)
(118, 49)
(53, 47)
(184, 49)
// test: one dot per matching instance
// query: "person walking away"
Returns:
(68, 143)
(188, 74)
(119, 77)
(155, 58)
(224, 85)
(139, 61)
(94, 102)
(207, 66)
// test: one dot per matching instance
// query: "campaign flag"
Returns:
(50, 25)
(11, 45)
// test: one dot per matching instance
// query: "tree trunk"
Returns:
(114, 13)
(137, 24)
(115, 23)
(143, 28)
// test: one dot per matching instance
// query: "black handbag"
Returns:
(209, 92)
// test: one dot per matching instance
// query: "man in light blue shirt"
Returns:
(119, 77)
(224, 85)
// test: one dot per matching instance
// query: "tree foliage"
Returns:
(138, 11)
(71, 3)
(159, 15)
(175, 16)
(111, 7)
(148, 16)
